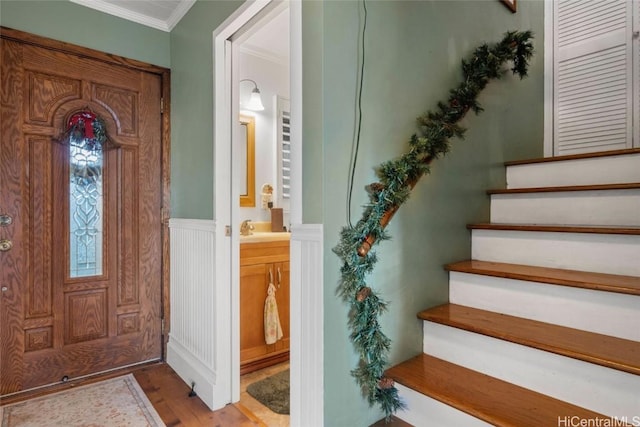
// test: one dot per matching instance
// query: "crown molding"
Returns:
(121, 12)
(179, 13)
(263, 54)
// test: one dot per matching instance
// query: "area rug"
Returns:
(114, 402)
(272, 392)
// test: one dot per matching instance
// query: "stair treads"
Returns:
(392, 422)
(492, 400)
(610, 153)
(627, 186)
(578, 279)
(591, 229)
(604, 350)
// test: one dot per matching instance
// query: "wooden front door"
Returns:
(82, 261)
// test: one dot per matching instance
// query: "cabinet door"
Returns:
(282, 298)
(253, 291)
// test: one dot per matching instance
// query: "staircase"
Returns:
(543, 324)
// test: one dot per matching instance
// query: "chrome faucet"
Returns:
(245, 228)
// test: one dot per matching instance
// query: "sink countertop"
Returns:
(262, 236)
(262, 233)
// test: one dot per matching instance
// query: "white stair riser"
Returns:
(591, 386)
(593, 171)
(604, 253)
(576, 308)
(611, 207)
(423, 411)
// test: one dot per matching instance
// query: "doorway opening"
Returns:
(261, 136)
(229, 93)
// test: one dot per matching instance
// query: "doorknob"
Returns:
(5, 245)
(5, 219)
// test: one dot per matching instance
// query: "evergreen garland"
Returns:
(397, 178)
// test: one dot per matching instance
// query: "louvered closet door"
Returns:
(636, 73)
(593, 82)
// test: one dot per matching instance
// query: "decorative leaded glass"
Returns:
(86, 138)
(85, 211)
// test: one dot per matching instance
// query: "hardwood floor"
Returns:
(170, 397)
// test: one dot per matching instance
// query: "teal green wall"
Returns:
(71, 23)
(413, 53)
(413, 58)
(192, 175)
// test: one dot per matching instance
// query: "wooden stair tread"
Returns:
(487, 398)
(565, 188)
(604, 350)
(590, 229)
(622, 152)
(392, 422)
(574, 278)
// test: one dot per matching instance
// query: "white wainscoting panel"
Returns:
(191, 350)
(307, 337)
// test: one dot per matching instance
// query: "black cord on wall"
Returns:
(355, 145)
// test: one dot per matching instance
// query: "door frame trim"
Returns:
(165, 132)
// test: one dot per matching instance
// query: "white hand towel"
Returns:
(272, 326)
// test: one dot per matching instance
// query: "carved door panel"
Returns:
(81, 284)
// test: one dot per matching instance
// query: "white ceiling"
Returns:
(160, 14)
(271, 39)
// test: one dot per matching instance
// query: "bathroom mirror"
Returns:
(248, 173)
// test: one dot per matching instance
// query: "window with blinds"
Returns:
(284, 152)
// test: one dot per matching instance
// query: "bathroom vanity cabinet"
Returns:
(260, 263)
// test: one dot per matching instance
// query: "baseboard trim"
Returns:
(192, 370)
